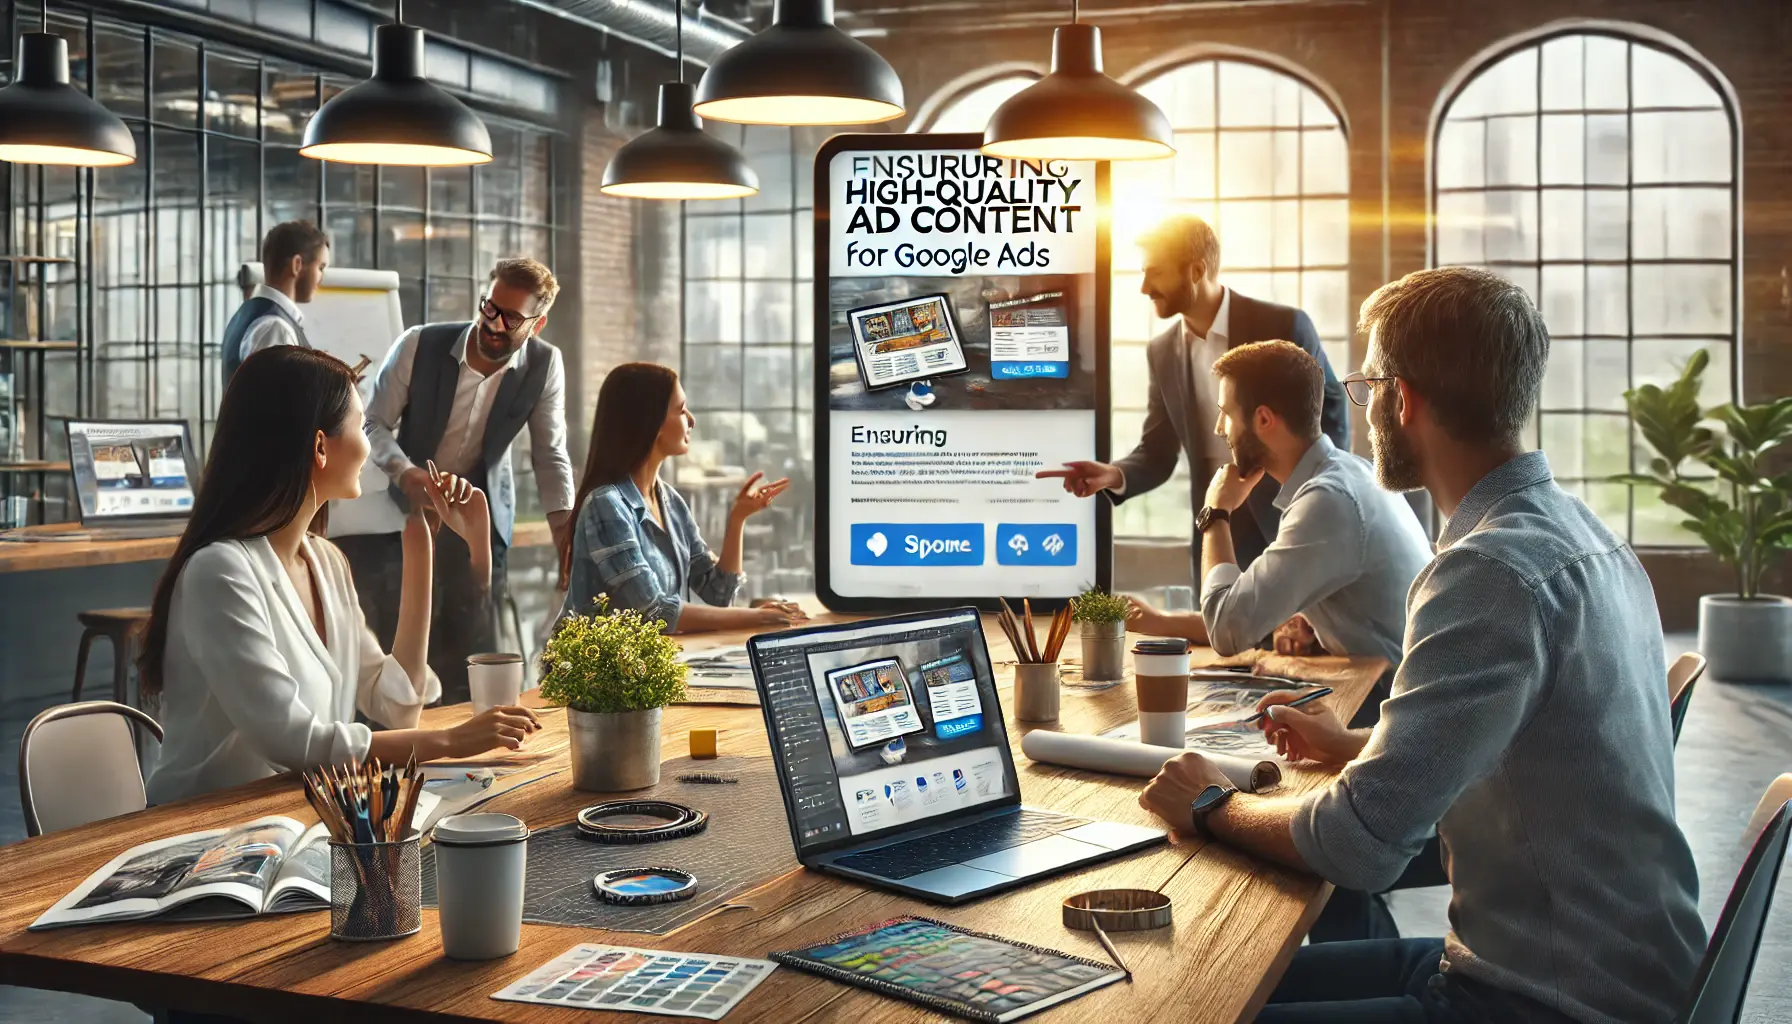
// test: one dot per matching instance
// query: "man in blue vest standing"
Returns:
(457, 394)
(293, 258)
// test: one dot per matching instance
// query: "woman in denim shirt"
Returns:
(635, 539)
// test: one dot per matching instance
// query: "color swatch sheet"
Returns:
(642, 980)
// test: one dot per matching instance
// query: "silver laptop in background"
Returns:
(895, 766)
(133, 478)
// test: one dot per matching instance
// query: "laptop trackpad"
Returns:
(1037, 857)
(955, 880)
(1111, 835)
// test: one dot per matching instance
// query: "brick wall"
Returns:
(629, 281)
(1386, 63)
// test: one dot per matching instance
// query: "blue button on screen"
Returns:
(1036, 544)
(917, 544)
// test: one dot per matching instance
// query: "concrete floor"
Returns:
(1736, 740)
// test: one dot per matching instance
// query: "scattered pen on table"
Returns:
(1304, 698)
(708, 779)
(1108, 944)
(364, 803)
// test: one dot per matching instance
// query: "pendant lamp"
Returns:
(45, 120)
(801, 70)
(1077, 112)
(675, 159)
(397, 116)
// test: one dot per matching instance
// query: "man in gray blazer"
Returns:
(1182, 261)
(457, 394)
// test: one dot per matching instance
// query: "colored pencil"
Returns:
(1032, 637)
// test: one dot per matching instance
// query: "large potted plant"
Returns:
(613, 672)
(1103, 619)
(1744, 516)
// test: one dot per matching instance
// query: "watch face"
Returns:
(1209, 796)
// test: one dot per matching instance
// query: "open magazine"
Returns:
(273, 865)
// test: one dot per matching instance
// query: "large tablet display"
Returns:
(961, 321)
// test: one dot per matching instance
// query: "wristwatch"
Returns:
(1211, 799)
(1209, 515)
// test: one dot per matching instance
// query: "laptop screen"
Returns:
(130, 470)
(880, 725)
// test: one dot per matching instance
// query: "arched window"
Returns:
(1597, 171)
(970, 110)
(1261, 156)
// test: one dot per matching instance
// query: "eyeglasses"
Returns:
(512, 321)
(1360, 388)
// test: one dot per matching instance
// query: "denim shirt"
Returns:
(1529, 723)
(618, 549)
(1345, 556)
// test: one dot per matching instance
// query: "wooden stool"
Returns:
(119, 625)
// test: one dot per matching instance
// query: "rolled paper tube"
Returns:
(1124, 757)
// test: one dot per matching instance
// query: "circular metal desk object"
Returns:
(639, 887)
(676, 822)
(1117, 910)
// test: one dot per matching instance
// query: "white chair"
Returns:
(1682, 674)
(78, 763)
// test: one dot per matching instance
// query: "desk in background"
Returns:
(1237, 920)
(37, 556)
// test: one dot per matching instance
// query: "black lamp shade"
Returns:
(801, 70)
(1077, 112)
(676, 160)
(397, 116)
(45, 120)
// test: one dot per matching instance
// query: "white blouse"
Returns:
(250, 690)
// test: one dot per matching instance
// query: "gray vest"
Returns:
(434, 373)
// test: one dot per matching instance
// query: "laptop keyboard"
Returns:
(992, 835)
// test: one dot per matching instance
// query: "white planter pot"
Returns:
(613, 753)
(1746, 640)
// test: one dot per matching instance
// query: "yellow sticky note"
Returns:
(703, 743)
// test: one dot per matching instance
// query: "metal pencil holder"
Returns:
(376, 890)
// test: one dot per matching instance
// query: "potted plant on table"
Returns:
(1748, 634)
(1103, 619)
(613, 672)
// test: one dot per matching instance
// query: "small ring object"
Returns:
(678, 821)
(639, 887)
(1117, 910)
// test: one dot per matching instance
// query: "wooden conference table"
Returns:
(1237, 919)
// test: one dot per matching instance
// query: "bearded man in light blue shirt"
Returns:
(1346, 552)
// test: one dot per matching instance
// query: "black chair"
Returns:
(1722, 982)
(1682, 675)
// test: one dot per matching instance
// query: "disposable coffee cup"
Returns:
(494, 680)
(480, 861)
(1160, 674)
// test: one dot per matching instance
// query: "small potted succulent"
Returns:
(613, 672)
(1103, 619)
(1737, 505)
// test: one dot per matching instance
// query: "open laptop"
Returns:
(133, 478)
(895, 766)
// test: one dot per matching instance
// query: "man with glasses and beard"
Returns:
(456, 395)
(1346, 552)
(1528, 725)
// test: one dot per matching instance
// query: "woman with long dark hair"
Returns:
(635, 540)
(256, 643)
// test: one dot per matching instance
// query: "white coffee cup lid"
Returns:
(486, 829)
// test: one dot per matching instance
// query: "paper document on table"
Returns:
(1127, 757)
(722, 668)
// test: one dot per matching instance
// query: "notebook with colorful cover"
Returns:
(947, 968)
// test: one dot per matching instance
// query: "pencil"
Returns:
(1032, 638)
